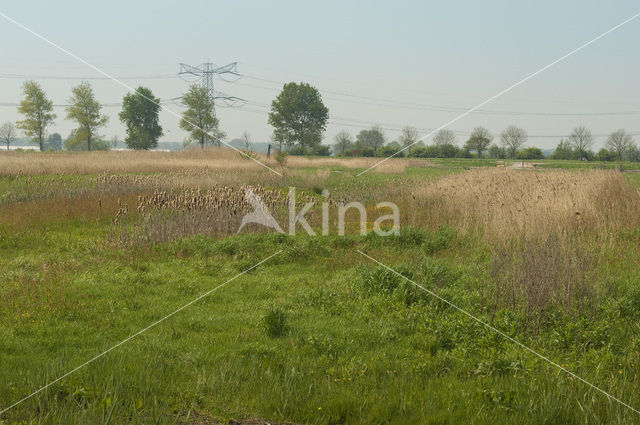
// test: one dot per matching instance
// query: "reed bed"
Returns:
(505, 203)
(224, 159)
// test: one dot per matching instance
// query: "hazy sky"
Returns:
(395, 63)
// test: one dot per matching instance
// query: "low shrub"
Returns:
(275, 323)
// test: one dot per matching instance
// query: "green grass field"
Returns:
(317, 334)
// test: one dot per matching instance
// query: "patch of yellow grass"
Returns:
(34, 163)
(30, 163)
(504, 202)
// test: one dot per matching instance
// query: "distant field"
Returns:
(96, 246)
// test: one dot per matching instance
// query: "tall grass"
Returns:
(505, 203)
(228, 160)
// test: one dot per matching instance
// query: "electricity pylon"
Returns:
(205, 73)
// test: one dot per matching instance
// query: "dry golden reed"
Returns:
(225, 159)
(504, 203)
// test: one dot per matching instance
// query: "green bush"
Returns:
(530, 153)
(275, 323)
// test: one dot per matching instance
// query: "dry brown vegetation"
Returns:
(170, 215)
(224, 159)
(548, 232)
(505, 203)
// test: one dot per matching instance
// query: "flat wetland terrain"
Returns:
(95, 247)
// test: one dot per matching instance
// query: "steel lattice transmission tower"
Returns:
(205, 72)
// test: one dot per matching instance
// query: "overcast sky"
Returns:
(395, 63)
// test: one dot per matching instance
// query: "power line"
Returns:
(361, 124)
(206, 71)
(376, 86)
(66, 77)
(435, 108)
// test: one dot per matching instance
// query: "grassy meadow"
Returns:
(95, 247)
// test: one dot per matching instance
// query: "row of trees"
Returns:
(373, 142)
(139, 114)
(299, 118)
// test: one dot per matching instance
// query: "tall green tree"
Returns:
(373, 138)
(140, 116)
(85, 110)
(37, 110)
(479, 140)
(199, 118)
(298, 116)
(563, 151)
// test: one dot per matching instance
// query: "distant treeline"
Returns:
(619, 145)
(299, 119)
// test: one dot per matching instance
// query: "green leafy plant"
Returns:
(275, 323)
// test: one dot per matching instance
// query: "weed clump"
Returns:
(275, 323)
(379, 280)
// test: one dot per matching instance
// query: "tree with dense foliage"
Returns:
(38, 112)
(496, 152)
(448, 150)
(199, 118)
(633, 154)
(344, 142)
(581, 141)
(298, 116)
(513, 137)
(140, 116)
(8, 133)
(389, 149)
(563, 151)
(321, 150)
(619, 142)
(373, 138)
(479, 140)
(530, 153)
(84, 109)
(605, 155)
